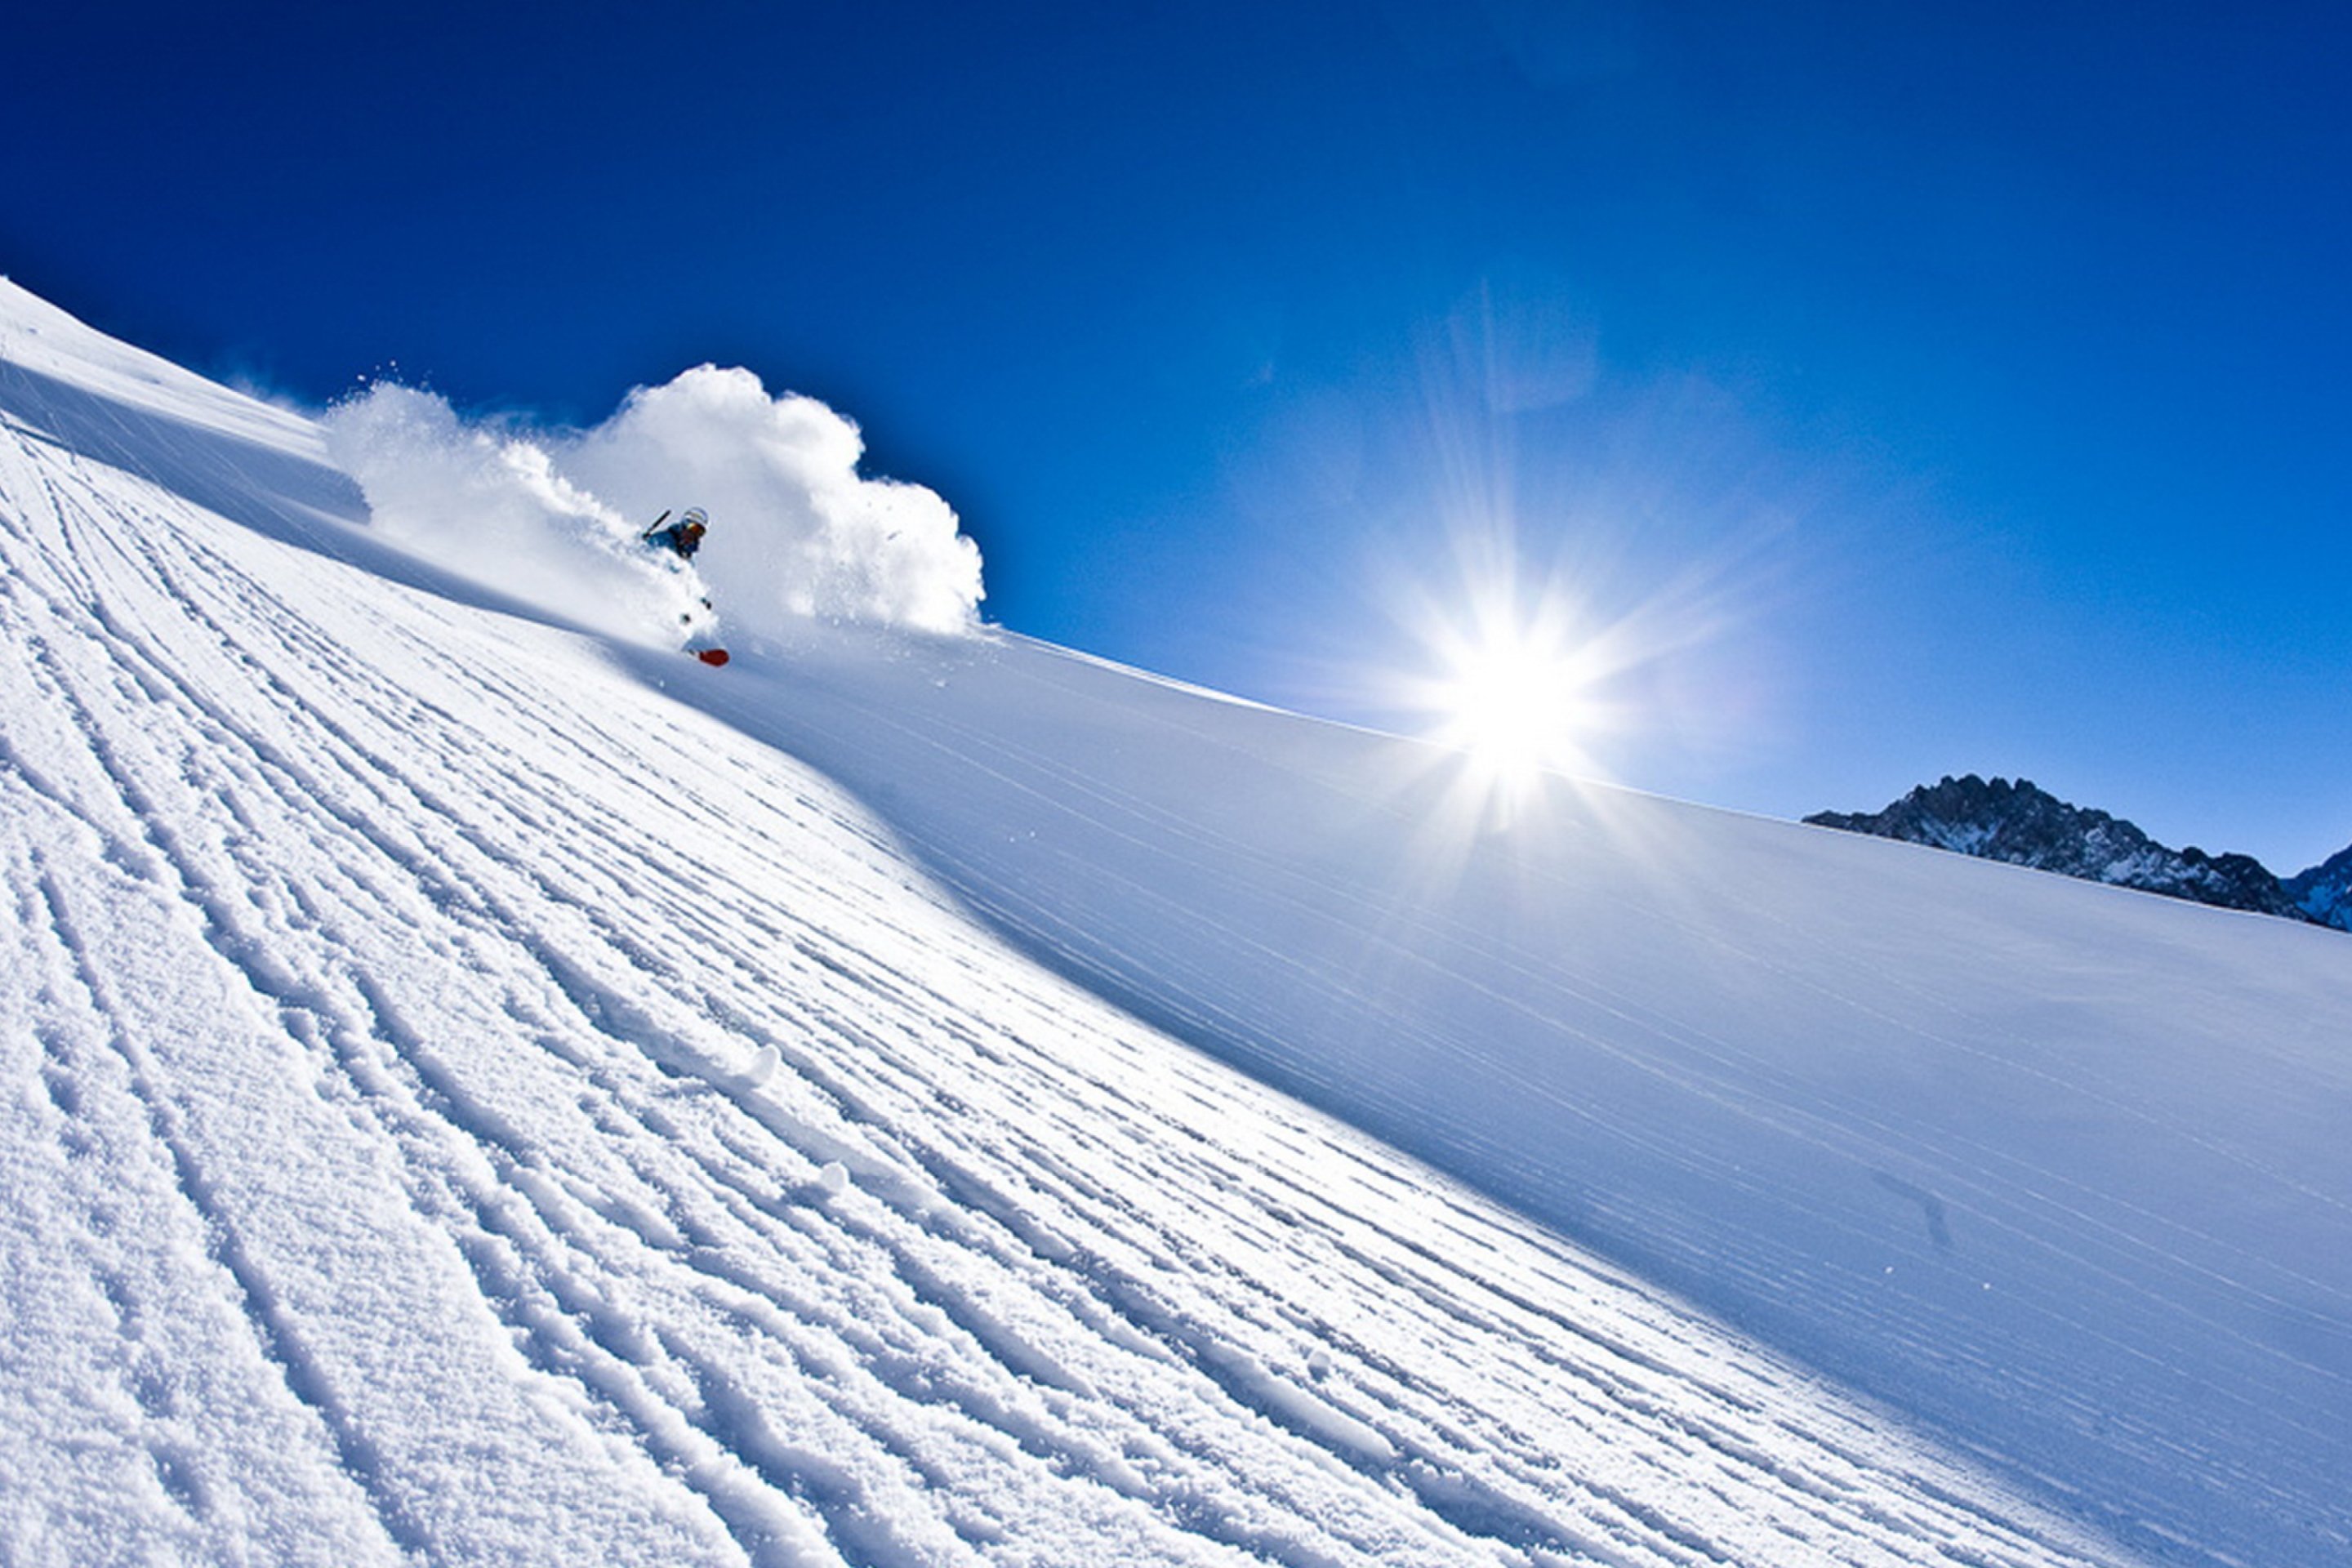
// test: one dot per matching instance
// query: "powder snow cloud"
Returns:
(554, 519)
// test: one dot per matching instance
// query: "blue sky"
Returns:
(1896, 390)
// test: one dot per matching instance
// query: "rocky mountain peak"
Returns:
(2323, 893)
(2025, 824)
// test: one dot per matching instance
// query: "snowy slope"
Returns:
(2061, 1169)
(466, 1103)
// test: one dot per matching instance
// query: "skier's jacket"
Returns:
(684, 536)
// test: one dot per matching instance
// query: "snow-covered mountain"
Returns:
(2024, 825)
(2323, 893)
(485, 1088)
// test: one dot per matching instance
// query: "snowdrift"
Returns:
(482, 1091)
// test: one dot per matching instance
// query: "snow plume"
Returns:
(795, 531)
(490, 507)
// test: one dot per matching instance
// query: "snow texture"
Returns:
(472, 1090)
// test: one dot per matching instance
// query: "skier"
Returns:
(684, 536)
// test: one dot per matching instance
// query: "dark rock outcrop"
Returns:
(2026, 826)
(2323, 893)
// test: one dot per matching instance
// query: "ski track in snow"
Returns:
(462, 1106)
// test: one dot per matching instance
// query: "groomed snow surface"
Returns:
(476, 1088)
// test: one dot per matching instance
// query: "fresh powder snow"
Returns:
(483, 1087)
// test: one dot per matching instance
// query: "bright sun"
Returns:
(1516, 700)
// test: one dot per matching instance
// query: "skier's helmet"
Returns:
(696, 520)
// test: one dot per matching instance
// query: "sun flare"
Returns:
(1517, 701)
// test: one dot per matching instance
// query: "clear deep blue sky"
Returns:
(1923, 388)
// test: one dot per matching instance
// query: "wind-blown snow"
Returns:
(460, 1101)
(797, 531)
(555, 518)
(490, 507)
